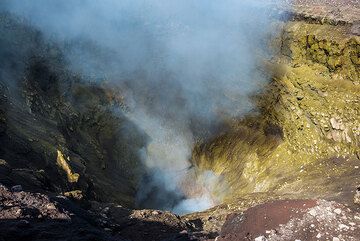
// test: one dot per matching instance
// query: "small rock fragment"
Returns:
(3, 162)
(343, 226)
(16, 188)
(261, 238)
(312, 212)
(50, 206)
(337, 211)
(155, 212)
(18, 211)
(357, 196)
(355, 28)
(334, 124)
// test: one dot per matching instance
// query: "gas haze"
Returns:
(184, 66)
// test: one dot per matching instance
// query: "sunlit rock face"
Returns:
(307, 133)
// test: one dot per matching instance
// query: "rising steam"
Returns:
(183, 65)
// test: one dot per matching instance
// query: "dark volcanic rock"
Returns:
(16, 188)
(34, 216)
(61, 134)
(45, 108)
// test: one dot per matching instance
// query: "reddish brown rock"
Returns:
(293, 220)
(255, 221)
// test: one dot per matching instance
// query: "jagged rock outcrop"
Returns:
(35, 216)
(308, 125)
(305, 141)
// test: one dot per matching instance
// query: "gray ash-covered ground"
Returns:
(333, 12)
(327, 2)
(330, 11)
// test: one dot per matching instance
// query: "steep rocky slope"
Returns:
(308, 125)
(304, 143)
(59, 132)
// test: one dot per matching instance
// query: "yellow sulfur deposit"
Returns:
(61, 162)
(308, 131)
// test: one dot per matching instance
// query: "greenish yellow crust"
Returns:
(308, 132)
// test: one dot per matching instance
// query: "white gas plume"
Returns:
(184, 66)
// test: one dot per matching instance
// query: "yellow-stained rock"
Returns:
(62, 163)
(76, 194)
(308, 129)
